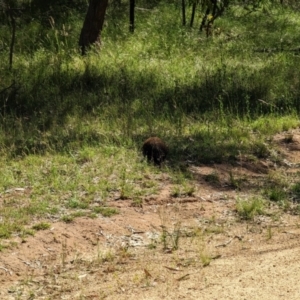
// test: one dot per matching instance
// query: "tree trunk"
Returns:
(13, 36)
(131, 15)
(183, 12)
(203, 25)
(93, 23)
(193, 14)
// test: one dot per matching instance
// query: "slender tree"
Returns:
(183, 12)
(131, 15)
(93, 23)
(10, 13)
(214, 9)
(193, 13)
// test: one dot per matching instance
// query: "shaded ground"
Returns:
(130, 255)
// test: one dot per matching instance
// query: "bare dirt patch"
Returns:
(133, 255)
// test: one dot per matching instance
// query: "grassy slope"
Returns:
(71, 134)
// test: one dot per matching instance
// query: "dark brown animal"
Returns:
(155, 150)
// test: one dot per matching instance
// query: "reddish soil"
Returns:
(123, 257)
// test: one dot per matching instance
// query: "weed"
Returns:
(170, 235)
(26, 232)
(2, 247)
(278, 180)
(183, 189)
(189, 190)
(125, 188)
(277, 194)
(234, 181)
(295, 210)
(260, 149)
(151, 246)
(212, 177)
(296, 189)
(175, 192)
(92, 215)
(175, 236)
(5, 231)
(41, 226)
(107, 256)
(105, 211)
(179, 178)
(248, 209)
(67, 218)
(123, 253)
(78, 214)
(205, 259)
(74, 203)
(137, 202)
(285, 205)
(170, 240)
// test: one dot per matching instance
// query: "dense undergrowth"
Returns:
(209, 98)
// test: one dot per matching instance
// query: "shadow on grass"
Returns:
(60, 93)
(34, 112)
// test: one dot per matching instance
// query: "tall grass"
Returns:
(162, 73)
(138, 83)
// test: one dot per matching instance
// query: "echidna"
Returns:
(155, 150)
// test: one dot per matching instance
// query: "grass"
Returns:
(277, 194)
(105, 211)
(186, 189)
(71, 127)
(36, 186)
(41, 226)
(248, 209)
(296, 189)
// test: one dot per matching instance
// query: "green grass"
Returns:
(36, 186)
(106, 211)
(296, 189)
(277, 194)
(71, 127)
(248, 209)
(41, 226)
